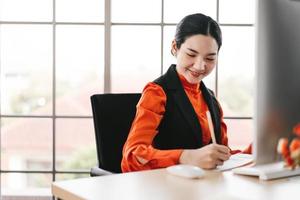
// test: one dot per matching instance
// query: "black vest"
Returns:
(180, 127)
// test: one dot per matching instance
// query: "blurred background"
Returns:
(54, 54)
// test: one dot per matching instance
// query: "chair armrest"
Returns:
(96, 171)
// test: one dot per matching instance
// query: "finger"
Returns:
(219, 162)
(222, 156)
(223, 149)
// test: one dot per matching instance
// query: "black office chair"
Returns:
(113, 115)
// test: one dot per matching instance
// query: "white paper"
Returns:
(236, 160)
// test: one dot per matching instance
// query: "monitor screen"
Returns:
(277, 98)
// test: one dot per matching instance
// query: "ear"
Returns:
(174, 48)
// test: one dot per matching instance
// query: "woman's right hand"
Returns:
(207, 157)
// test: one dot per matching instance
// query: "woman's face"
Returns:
(196, 57)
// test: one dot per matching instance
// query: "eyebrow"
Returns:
(194, 51)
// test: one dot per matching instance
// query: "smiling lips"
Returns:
(195, 74)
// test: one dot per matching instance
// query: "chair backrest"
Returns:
(113, 115)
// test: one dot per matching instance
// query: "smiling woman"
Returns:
(170, 126)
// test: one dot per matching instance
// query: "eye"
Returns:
(210, 59)
(191, 55)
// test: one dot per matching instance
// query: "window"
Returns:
(52, 60)
(131, 62)
(54, 54)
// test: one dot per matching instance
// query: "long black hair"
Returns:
(197, 24)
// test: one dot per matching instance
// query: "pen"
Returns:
(211, 127)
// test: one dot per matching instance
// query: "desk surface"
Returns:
(158, 184)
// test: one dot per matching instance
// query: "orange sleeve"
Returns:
(138, 152)
(248, 150)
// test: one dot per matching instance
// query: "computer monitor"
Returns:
(277, 108)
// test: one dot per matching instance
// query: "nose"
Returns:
(200, 64)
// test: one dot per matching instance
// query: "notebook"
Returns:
(236, 160)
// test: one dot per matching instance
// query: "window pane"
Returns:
(75, 144)
(26, 144)
(26, 69)
(79, 68)
(240, 133)
(80, 10)
(243, 11)
(236, 71)
(29, 10)
(175, 10)
(169, 32)
(136, 54)
(26, 186)
(210, 81)
(136, 10)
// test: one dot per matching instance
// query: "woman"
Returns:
(170, 126)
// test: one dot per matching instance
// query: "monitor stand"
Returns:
(267, 171)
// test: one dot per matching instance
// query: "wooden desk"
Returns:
(158, 184)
